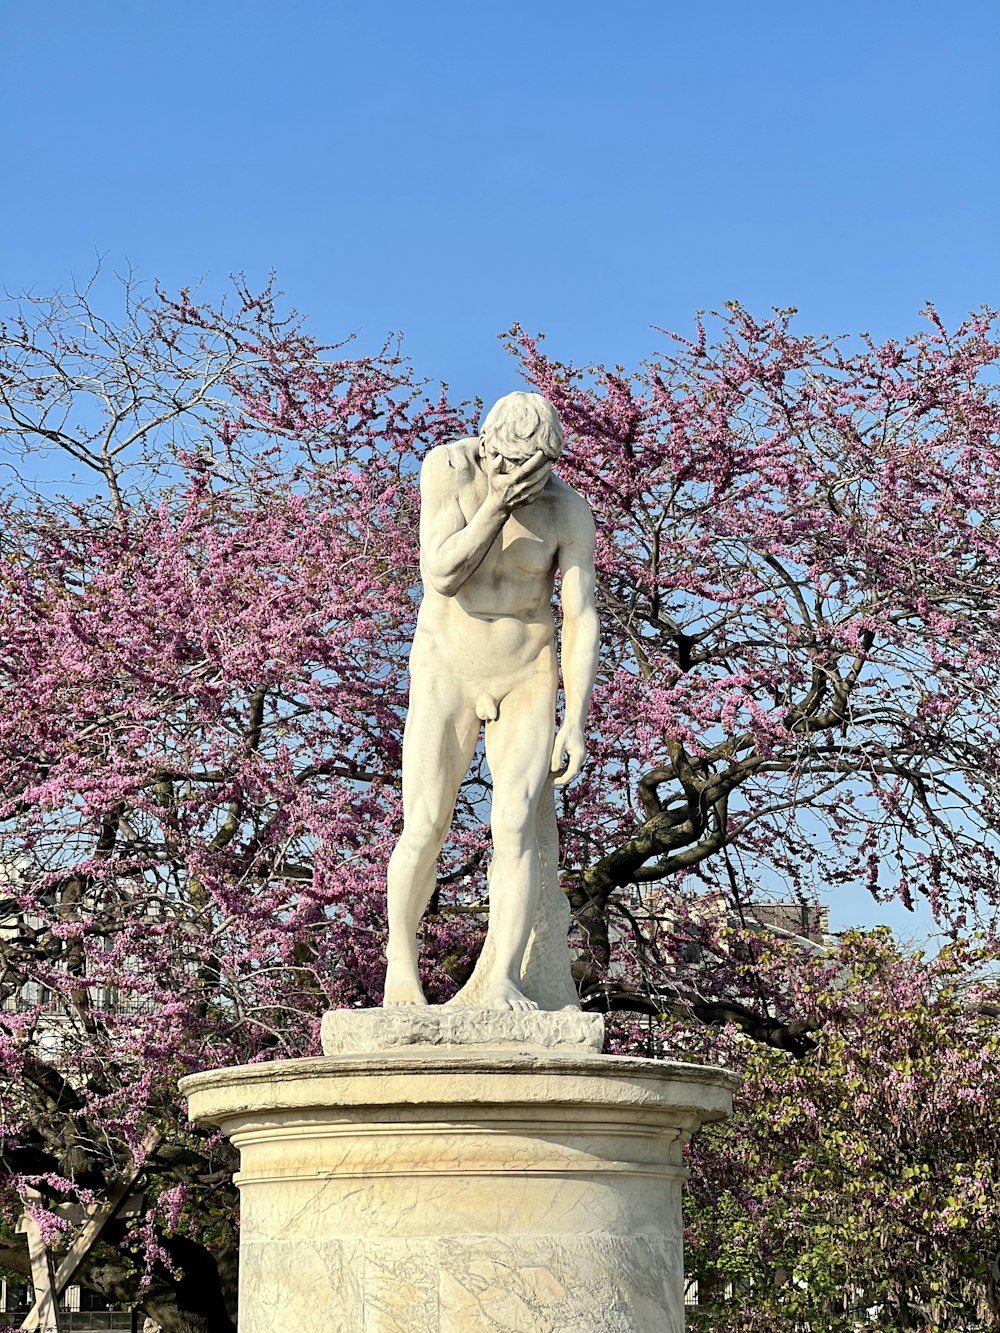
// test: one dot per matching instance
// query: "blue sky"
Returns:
(444, 169)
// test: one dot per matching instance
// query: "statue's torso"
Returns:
(501, 617)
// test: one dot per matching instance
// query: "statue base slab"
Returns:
(461, 1191)
(355, 1031)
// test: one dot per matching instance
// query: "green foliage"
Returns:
(857, 1187)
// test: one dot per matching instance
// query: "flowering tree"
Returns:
(857, 1187)
(203, 671)
(203, 666)
(799, 551)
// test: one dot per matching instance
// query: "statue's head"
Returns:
(520, 425)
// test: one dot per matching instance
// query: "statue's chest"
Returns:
(524, 548)
(526, 545)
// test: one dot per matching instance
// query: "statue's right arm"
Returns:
(452, 548)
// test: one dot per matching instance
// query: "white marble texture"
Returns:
(461, 1191)
(496, 527)
(356, 1031)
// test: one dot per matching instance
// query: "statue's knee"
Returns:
(513, 827)
(423, 835)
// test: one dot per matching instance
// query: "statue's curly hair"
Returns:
(523, 423)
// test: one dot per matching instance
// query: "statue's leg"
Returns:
(438, 744)
(518, 750)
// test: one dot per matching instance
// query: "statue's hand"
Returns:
(515, 487)
(568, 754)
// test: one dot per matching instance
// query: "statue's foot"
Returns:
(402, 985)
(507, 996)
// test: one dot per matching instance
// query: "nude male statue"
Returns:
(495, 526)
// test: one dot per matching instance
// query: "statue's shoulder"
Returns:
(569, 500)
(447, 460)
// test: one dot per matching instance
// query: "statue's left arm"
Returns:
(580, 639)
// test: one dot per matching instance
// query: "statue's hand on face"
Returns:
(515, 485)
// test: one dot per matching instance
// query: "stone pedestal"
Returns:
(460, 1190)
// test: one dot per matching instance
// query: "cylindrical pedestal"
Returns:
(461, 1191)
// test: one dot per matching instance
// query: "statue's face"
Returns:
(491, 450)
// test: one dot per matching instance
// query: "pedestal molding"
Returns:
(461, 1191)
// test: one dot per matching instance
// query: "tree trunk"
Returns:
(203, 1300)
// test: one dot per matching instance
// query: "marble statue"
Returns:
(478, 1165)
(496, 524)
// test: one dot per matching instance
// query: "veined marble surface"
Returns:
(461, 1190)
